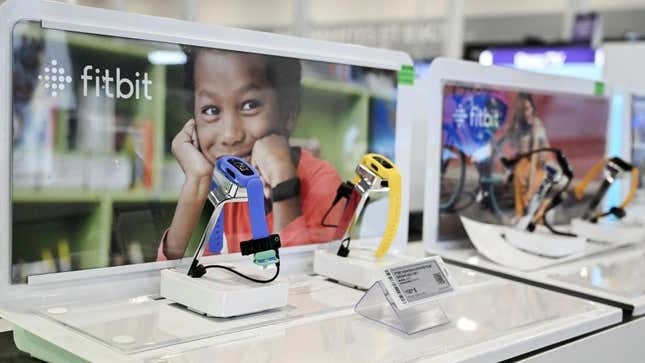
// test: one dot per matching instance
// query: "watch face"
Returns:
(383, 162)
(241, 166)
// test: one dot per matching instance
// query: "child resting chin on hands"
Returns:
(247, 105)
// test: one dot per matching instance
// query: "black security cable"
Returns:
(249, 247)
(343, 192)
(343, 250)
(232, 270)
(200, 270)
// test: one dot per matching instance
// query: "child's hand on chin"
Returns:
(272, 158)
(185, 147)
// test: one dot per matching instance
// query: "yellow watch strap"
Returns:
(584, 182)
(394, 212)
(632, 189)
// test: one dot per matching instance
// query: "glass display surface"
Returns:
(144, 323)
(111, 135)
(621, 277)
(482, 124)
(478, 314)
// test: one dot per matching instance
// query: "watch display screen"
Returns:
(95, 179)
(241, 167)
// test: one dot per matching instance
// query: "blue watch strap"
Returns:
(255, 193)
(216, 239)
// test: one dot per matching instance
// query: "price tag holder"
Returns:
(416, 283)
(407, 296)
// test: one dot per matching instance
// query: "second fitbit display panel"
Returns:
(109, 133)
(483, 125)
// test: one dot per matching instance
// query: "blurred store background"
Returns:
(423, 28)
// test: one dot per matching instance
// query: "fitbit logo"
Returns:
(54, 78)
(111, 84)
(117, 86)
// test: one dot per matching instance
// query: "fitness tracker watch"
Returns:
(540, 204)
(613, 167)
(374, 173)
(535, 209)
(238, 172)
(234, 180)
(385, 169)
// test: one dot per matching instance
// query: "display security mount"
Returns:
(525, 234)
(362, 267)
(594, 224)
(215, 293)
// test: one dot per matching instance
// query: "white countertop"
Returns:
(614, 275)
(491, 319)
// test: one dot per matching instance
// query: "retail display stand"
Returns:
(362, 267)
(234, 181)
(622, 232)
(222, 296)
(542, 242)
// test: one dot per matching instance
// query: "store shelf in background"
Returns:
(328, 111)
(85, 222)
(96, 43)
(172, 177)
(45, 232)
(70, 196)
(334, 87)
(137, 229)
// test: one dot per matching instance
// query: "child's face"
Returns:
(235, 105)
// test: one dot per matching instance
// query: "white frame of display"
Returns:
(108, 22)
(448, 70)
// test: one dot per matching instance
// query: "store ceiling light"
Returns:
(486, 58)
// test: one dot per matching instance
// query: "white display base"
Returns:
(222, 296)
(360, 269)
(545, 243)
(621, 232)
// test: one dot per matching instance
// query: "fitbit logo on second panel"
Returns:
(111, 84)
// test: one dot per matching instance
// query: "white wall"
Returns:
(361, 11)
(625, 65)
(414, 26)
(262, 13)
(247, 13)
